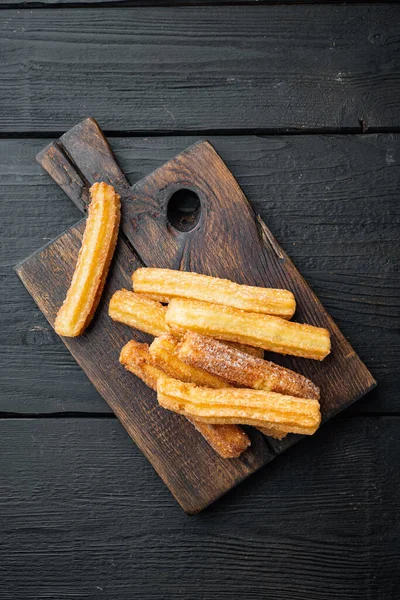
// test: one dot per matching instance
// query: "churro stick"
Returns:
(264, 331)
(229, 441)
(164, 351)
(94, 260)
(241, 406)
(165, 284)
(241, 369)
(138, 311)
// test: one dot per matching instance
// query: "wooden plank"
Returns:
(161, 69)
(229, 241)
(347, 175)
(137, 3)
(83, 516)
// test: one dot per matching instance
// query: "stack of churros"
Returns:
(206, 360)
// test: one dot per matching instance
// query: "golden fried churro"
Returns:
(264, 331)
(165, 284)
(164, 351)
(229, 441)
(138, 311)
(241, 406)
(94, 260)
(241, 369)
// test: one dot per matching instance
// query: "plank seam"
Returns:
(362, 130)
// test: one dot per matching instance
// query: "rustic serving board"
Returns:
(223, 238)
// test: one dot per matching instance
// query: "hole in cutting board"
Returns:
(184, 210)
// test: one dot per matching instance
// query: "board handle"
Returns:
(88, 148)
(55, 161)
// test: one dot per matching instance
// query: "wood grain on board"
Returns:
(228, 240)
(173, 69)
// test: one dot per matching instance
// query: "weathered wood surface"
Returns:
(174, 69)
(292, 181)
(147, 3)
(82, 516)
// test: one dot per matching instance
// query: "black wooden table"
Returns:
(303, 103)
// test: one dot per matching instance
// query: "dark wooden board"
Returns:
(292, 182)
(229, 241)
(174, 69)
(82, 516)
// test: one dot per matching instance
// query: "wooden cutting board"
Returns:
(224, 238)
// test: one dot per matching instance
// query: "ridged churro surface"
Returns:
(263, 331)
(138, 311)
(94, 260)
(241, 406)
(165, 284)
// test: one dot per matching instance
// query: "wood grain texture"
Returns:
(159, 3)
(83, 516)
(174, 69)
(318, 193)
(228, 241)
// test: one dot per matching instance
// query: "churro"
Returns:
(263, 331)
(166, 284)
(229, 441)
(240, 406)
(145, 314)
(138, 311)
(164, 351)
(94, 260)
(241, 369)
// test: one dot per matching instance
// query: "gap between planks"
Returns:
(232, 132)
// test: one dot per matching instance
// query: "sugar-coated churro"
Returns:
(241, 369)
(264, 331)
(229, 441)
(94, 260)
(240, 406)
(164, 351)
(165, 284)
(138, 311)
